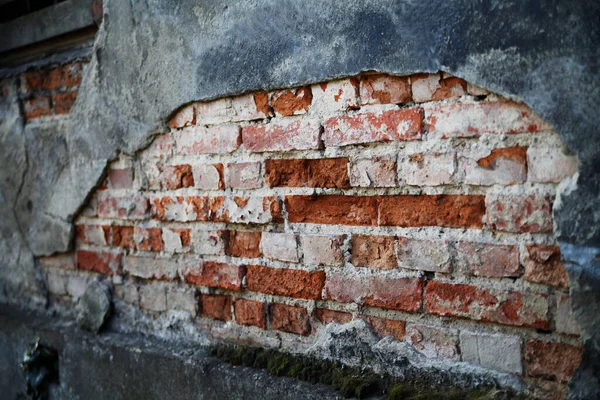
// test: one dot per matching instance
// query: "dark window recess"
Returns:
(17, 8)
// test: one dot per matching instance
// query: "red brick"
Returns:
(282, 135)
(37, 107)
(98, 235)
(379, 291)
(178, 176)
(244, 175)
(335, 96)
(334, 209)
(324, 173)
(196, 140)
(292, 319)
(285, 282)
(32, 81)
(245, 209)
(244, 244)
(492, 261)
(453, 211)
(387, 327)
(104, 263)
(216, 306)
(505, 166)
(490, 305)
(383, 126)
(476, 119)
(384, 89)
(185, 116)
(53, 78)
(291, 101)
(428, 87)
(72, 74)
(184, 208)
(62, 102)
(217, 275)
(374, 252)
(148, 239)
(519, 213)
(122, 236)
(125, 207)
(554, 361)
(543, 264)
(327, 316)
(374, 172)
(120, 178)
(249, 107)
(249, 312)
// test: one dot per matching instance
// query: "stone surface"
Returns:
(94, 306)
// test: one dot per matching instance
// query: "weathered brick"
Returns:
(120, 178)
(182, 299)
(379, 291)
(382, 126)
(455, 211)
(184, 208)
(148, 239)
(373, 252)
(504, 166)
(282, 135)
(246, 210)
(474, 90)
(161, 147)
(252, 106)
(327, 316)
(280, 246)
(323, 250)
(291, 101)
(215, 274)
(334, 209)
(322, 172)
(174, 240)
(550, 164)
(476, 119)
(208, 242)
(244, 175)
(434, 342)
(53, 79)
(151, 268)
(37, 107)
(554, 361)
(373, 172)
(127, 292)
(151, 175)
(292, 319)
(98, 235)
(60, 260)
(216, 306)
(494, 351)
(77, 284)
(244, 244)
(543, 264)
(490, 305)
(208, 176)
(62, 102)
(519, 213)
(123, 207)
(32, 81)
(429, 87)
(335, 96)
(384, 89)
(185, 116)
(285, 282)
(249, 312)
(178, 176)
(564, 319)
(122, 236)
(194, 140)
(153, 297)
(56, 281)
(104, 263)
(424, 255)
(492, 261)
(428, 169)
(387, 327)
(213, 112)
(72, 74)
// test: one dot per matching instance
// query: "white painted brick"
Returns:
(373, 172)
(334, 97)
(424, 255)
(323, 250)
(207, 242)
(428, 169)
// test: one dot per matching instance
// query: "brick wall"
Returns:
(421, 205)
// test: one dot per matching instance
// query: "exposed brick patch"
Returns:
(428, 169)
(322, 173)
(125, 207)
(244, 175)
(496, 351)
(430, 87)
(178, 176)
(280, 246)
(185, 116)
(120, 178)
(384, 89)
(335, 96)
(387, 327)
(252, 106)
(285, 282)
(62, 102)
(151, 268)
(481, 304)
(98, 235)
(504, 166)
(122, 236)
(424, 255)
(493, 261)
(292, 319)
(215, 274)
(37, 107)
(327, 316)
(244, 244)
(373, 172)
(148, 239)
(383, 126)
(323, 250)
(249, 312)
(283, 135)
(208, 176)
(543, 264)
(291, 101)
(555, 361)
(196, 140)
(344, 210)
(104, 263)
(550, 164)
(216, 306)
(373, 252)
(519, 213)
(434, 342)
